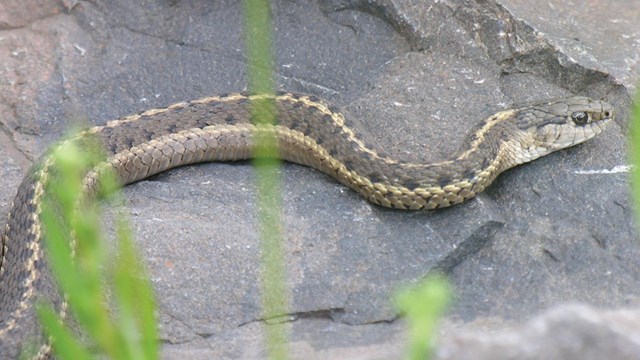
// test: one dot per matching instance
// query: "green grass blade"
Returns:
(67, 215)
(78, 277)
(423, 306)
(134, 294)
(258, 44)
(65, 344)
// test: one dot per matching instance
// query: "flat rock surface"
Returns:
(417, 75)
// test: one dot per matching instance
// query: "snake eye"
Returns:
(580, 117)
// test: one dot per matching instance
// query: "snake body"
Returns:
(309, 132)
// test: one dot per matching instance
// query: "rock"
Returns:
(565, 332)
(416, 75)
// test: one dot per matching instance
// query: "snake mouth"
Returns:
(602, 124)
(590, 131)
(560, 137)
(596, 128)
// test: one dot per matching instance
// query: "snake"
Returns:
(310, 132)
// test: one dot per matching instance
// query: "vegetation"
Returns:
(126, 330)
(258, 44)
(423, 307)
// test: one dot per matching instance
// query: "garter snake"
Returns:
(309, 132)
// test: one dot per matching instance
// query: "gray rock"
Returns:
(417, 75)
(565, 332)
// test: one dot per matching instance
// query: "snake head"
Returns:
(561, 123)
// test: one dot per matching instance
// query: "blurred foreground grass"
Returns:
(71, 224)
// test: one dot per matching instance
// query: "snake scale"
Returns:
(309, 132)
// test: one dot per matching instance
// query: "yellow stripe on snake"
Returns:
(309, 132)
